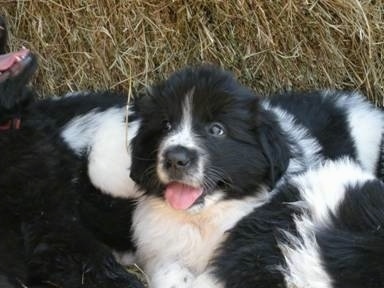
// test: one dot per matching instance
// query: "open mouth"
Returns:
(12, 64)
(182, 196)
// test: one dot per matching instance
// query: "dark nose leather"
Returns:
(179, 157)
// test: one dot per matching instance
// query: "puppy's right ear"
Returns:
(143, 99)
(273, 142)
(3, 35)
(140, 144)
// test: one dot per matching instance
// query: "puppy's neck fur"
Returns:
(190, 238)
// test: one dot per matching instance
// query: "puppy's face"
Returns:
(16, 70)
(203, 138)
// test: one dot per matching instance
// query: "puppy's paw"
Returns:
(72, 271)
(206, 280)
(110, 275)
(172, 276)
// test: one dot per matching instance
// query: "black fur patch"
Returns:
(321, 116)
(250, 256)
(352, 247)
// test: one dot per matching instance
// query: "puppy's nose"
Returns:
(179, 157)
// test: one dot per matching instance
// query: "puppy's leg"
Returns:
(62, 253)
(38, 195)
(4, 282)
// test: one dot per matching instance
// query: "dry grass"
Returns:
(269, 44)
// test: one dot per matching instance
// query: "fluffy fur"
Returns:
(209, 153)
(58, 193)
(61, 215)
(322, 229)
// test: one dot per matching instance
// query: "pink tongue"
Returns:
(7, 60)
(181, 196)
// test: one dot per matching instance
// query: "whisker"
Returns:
(221, 174)
(141, 158)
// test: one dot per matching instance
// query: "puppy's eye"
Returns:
(216, 129)
(167, 126)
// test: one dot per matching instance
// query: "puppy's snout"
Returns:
(179, 158)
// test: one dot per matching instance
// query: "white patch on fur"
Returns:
(305, 148)
(183, 135)
(79, 132)
(303, 263)
(165, 235)
(366, 123)
(322, 190)
(70, 94)
(77, 93)
(103, 135)
(124, 258)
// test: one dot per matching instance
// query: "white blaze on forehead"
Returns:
(182, 135)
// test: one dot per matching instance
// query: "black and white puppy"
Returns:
(66, 195)
(321, 229)
(208, 152)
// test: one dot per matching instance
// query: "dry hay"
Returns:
(270, 45)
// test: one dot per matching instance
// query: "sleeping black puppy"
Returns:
(61, 215)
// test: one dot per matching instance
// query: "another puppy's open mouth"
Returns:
(182, 196)
(12, 64)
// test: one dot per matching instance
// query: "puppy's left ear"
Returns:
(273, 141)
(138, 164)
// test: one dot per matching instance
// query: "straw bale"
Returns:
(269, 45)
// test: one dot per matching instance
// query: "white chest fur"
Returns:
(175, 247)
